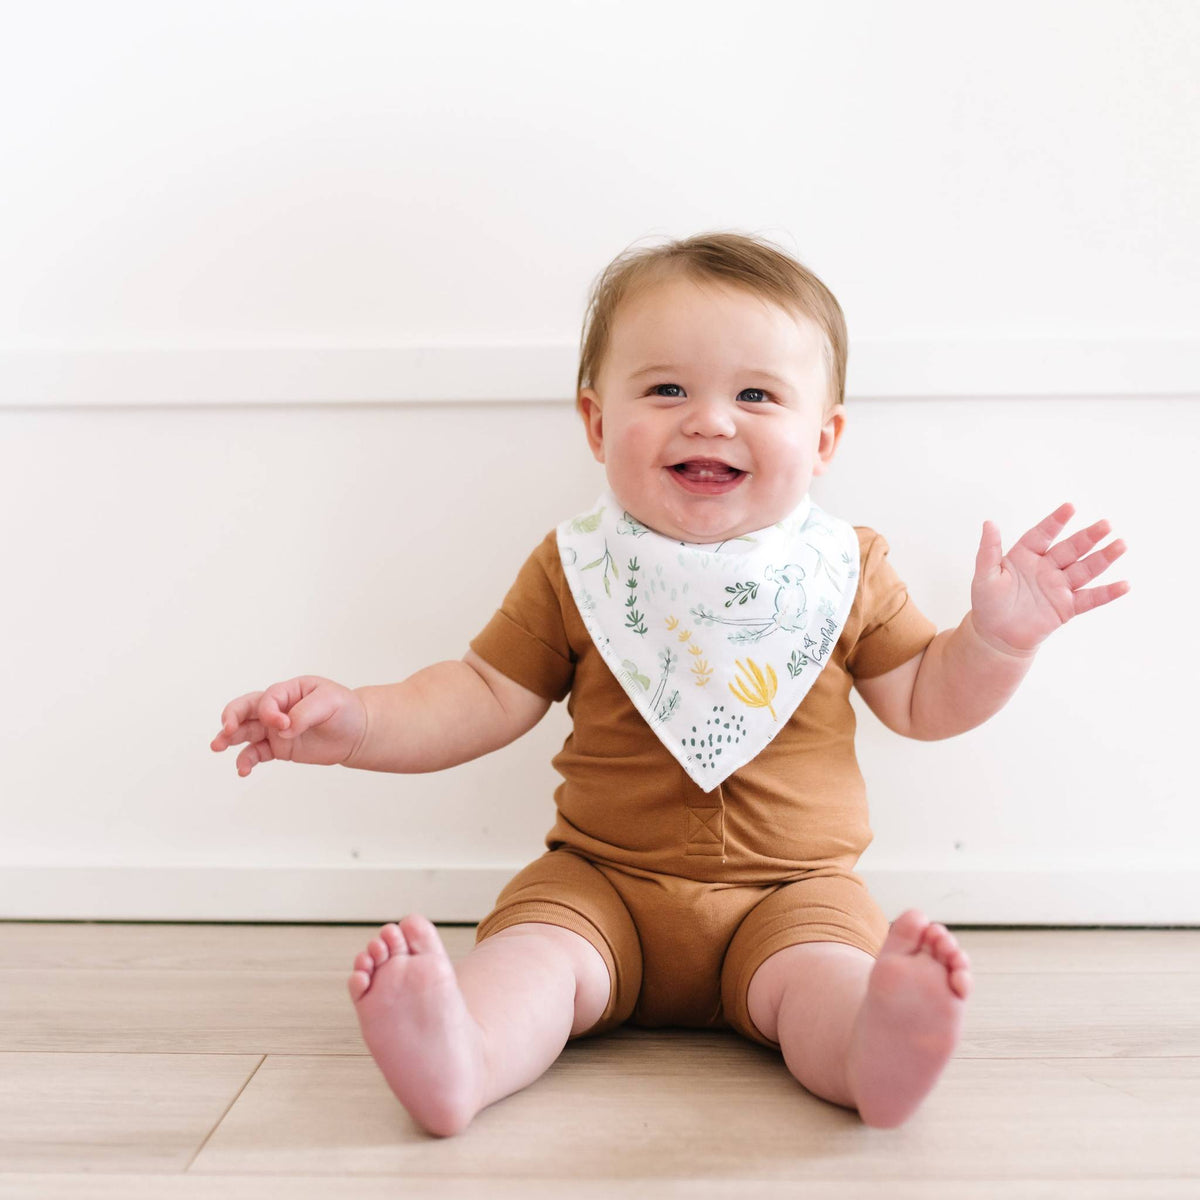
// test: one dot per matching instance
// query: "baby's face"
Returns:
(708, 446)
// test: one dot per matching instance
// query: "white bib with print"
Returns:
(716, 645)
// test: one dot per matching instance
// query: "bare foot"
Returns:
(909, 1022)
(417, 1027)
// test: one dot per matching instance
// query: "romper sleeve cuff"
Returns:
(524, 658)
(526, 639)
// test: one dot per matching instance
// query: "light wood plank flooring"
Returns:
(225, 1061)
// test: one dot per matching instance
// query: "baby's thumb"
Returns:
(319, 705)
(987, 561)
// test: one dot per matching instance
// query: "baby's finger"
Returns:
(252, 755)
(1095, 564)
(272, 708)
(251, 731)
(316, 707)
(1041, 537)
(238, 710)
(225, 738)
(1070, 549)
(1089, 598)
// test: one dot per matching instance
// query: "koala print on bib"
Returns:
(716, 645)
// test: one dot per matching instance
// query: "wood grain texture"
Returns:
(193, 1061)
(656, 1105)
(570, 1187)
(125, 1112)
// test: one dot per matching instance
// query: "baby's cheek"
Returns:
(649, 433)
(637, 440)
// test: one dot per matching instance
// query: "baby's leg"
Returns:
(452, 1038)
(871, 1034)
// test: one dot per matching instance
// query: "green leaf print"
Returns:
(643, 681)
(588, 524)
(633, 618)
(741, 592)
(610, 564)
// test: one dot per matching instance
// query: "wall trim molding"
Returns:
(371, 895)
(68, 377)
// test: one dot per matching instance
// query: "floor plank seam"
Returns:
(221, 1118)
(626, 1181)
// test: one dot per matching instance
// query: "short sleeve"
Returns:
(893, 628)
(526, 639)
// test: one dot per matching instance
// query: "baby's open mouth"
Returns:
(707, 476)
(707, 468)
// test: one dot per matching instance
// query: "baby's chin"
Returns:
(713, 535)
(700, 521)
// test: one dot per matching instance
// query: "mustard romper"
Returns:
(685, 893)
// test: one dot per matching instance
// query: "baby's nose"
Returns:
(709, 418)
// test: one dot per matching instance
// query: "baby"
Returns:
(707, 621)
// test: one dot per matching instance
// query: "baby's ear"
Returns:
(593, 421)
(831, 434)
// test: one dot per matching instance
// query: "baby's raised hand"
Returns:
(307, 720)
(1019, 599)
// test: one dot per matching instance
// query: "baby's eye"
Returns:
(757, 398)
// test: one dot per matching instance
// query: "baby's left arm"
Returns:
(965, 675)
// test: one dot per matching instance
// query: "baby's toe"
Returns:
(946, 950)
(377, 949)
(422, 936)
(960, 982)
(938, 941)
(365, 963)
(934, 932)
(393, 938)
(906, 933)
(358, 983)
(950, 949)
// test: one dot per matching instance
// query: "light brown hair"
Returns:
(753, 264)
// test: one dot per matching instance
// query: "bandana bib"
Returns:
(716, 645)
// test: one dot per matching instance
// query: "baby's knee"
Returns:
(593, 980)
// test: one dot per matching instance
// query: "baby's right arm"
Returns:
(443, 715)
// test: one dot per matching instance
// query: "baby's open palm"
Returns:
(1020, 598)
(305, 720)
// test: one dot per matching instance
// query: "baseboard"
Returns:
(1046, 896)
(466, 894)
(203, 893)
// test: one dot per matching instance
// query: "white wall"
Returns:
(257, 256)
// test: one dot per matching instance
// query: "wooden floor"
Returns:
(225, 1061)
